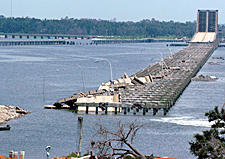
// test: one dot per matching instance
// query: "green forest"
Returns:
(145, 28)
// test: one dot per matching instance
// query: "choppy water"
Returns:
(24, 69)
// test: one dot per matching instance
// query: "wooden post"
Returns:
(80, 124)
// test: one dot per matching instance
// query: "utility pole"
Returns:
(80, 124)
(110, 68)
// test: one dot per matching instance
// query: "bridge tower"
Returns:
(207, 26)
(207, 21)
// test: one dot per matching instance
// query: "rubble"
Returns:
(10, 112)
(204, 78)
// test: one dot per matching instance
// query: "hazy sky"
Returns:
(122, 10)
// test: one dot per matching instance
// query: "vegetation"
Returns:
(211, 144)
(117, 143)
(145, 28)
(73, 155)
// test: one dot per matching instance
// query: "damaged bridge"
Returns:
(156, 87)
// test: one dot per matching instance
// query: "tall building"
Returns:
(207, 21)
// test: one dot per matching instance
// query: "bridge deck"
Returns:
(204, 37)
(188, 61)
(174, 75)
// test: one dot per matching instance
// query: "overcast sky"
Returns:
(122, 10)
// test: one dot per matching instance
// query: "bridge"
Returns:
(20, 39)
(156, 87)
(43, 36)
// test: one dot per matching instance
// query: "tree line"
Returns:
(144, 28)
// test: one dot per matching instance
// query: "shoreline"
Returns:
(8, 112)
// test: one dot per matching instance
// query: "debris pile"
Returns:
(10, 112)
(205, 78)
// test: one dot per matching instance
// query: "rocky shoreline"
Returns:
(10, 112)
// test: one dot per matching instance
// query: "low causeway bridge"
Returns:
(43, 36)
(20, 39)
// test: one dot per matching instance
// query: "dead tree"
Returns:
(117, 143)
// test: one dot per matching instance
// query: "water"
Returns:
(28, 72)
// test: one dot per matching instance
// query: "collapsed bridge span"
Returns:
(157, 86)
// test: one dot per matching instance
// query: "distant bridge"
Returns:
(43, 36)
(18, 39)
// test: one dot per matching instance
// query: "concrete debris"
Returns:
(218, 58)
(10, 112)
(205, 78)
(137, 81)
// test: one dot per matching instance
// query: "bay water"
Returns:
(34, 76)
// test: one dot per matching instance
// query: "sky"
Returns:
(122, 10)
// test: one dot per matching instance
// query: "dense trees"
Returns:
(211, 144)
(144, 28)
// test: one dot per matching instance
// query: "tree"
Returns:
(211, 144)
(117, 143)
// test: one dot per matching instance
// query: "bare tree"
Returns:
(117, 143)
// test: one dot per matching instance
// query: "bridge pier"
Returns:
(144, 111)
(86, 109)
(116, 110)
(106, 110)
(96, 111)
(155, 110)
(125, 110)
